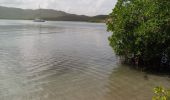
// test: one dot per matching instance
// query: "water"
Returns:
(66, 61)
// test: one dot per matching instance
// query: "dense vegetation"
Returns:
(141, 31)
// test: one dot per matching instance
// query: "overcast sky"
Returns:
(81, 7)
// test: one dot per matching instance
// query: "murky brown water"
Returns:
(66, 61)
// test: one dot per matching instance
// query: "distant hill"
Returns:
(47, 14)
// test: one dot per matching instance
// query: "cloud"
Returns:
(82, 7)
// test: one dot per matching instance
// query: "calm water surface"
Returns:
(66, 61)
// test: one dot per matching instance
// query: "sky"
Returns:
(81, 7)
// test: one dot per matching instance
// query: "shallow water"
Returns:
(66, 61)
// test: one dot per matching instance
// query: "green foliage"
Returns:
(161, 94)
(141, 29)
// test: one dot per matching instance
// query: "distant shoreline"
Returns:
(56, 20)
(11, 13)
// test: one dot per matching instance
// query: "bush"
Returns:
(161, 94)
(141, 31)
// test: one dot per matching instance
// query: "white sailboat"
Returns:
(39, 19)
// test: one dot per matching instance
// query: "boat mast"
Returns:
(39, 11)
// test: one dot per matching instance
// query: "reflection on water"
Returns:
(66, 61)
